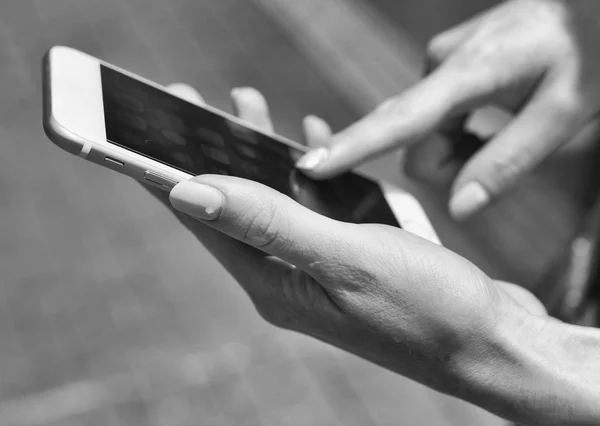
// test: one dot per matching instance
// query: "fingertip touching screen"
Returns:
(192, 139)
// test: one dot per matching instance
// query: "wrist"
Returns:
(532, 370)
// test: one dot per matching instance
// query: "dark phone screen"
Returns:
(192, 139)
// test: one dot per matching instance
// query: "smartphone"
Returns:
(128, 124)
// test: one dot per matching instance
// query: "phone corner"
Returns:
(409, 212)
(61, 136)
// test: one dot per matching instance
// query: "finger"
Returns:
(186, 92)
(317, 132)
(438, 50)
(431, 161)
(265, 219)
(444, 44)
(400, 122)
(439, 158)
(548, 121)
(251, 106)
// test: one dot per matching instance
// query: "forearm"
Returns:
(535, 370)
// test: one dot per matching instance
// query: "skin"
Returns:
(535, 58)
(390, 297)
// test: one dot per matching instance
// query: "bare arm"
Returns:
(534, 370)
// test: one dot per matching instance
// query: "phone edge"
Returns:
(400, 201)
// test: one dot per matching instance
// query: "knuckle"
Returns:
(565, 103)
(549, 12)
(504, 171)
(476, 52)
(484, 52)
(438, 48)
(387, 105)
(263, 229)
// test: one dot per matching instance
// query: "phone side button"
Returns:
(112, 163)
(160, 180)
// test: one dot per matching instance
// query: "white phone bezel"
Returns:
(74, 120)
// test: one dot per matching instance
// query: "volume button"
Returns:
(160, 180)
(111, 162)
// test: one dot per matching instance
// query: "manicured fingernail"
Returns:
(313, 159)
(197, 200)
(471, 198)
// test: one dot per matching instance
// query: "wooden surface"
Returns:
(110, 313)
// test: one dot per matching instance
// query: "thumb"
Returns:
(263, 218)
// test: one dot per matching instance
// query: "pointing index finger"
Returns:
(399, 122)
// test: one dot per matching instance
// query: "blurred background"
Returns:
(111, 314)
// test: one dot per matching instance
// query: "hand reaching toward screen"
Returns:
(537, 58)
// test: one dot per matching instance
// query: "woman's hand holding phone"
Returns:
(379, 292)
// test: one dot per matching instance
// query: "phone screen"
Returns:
(192, 139)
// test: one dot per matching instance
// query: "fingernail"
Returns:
(313, 159)
(471, 198)
(197, 200)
